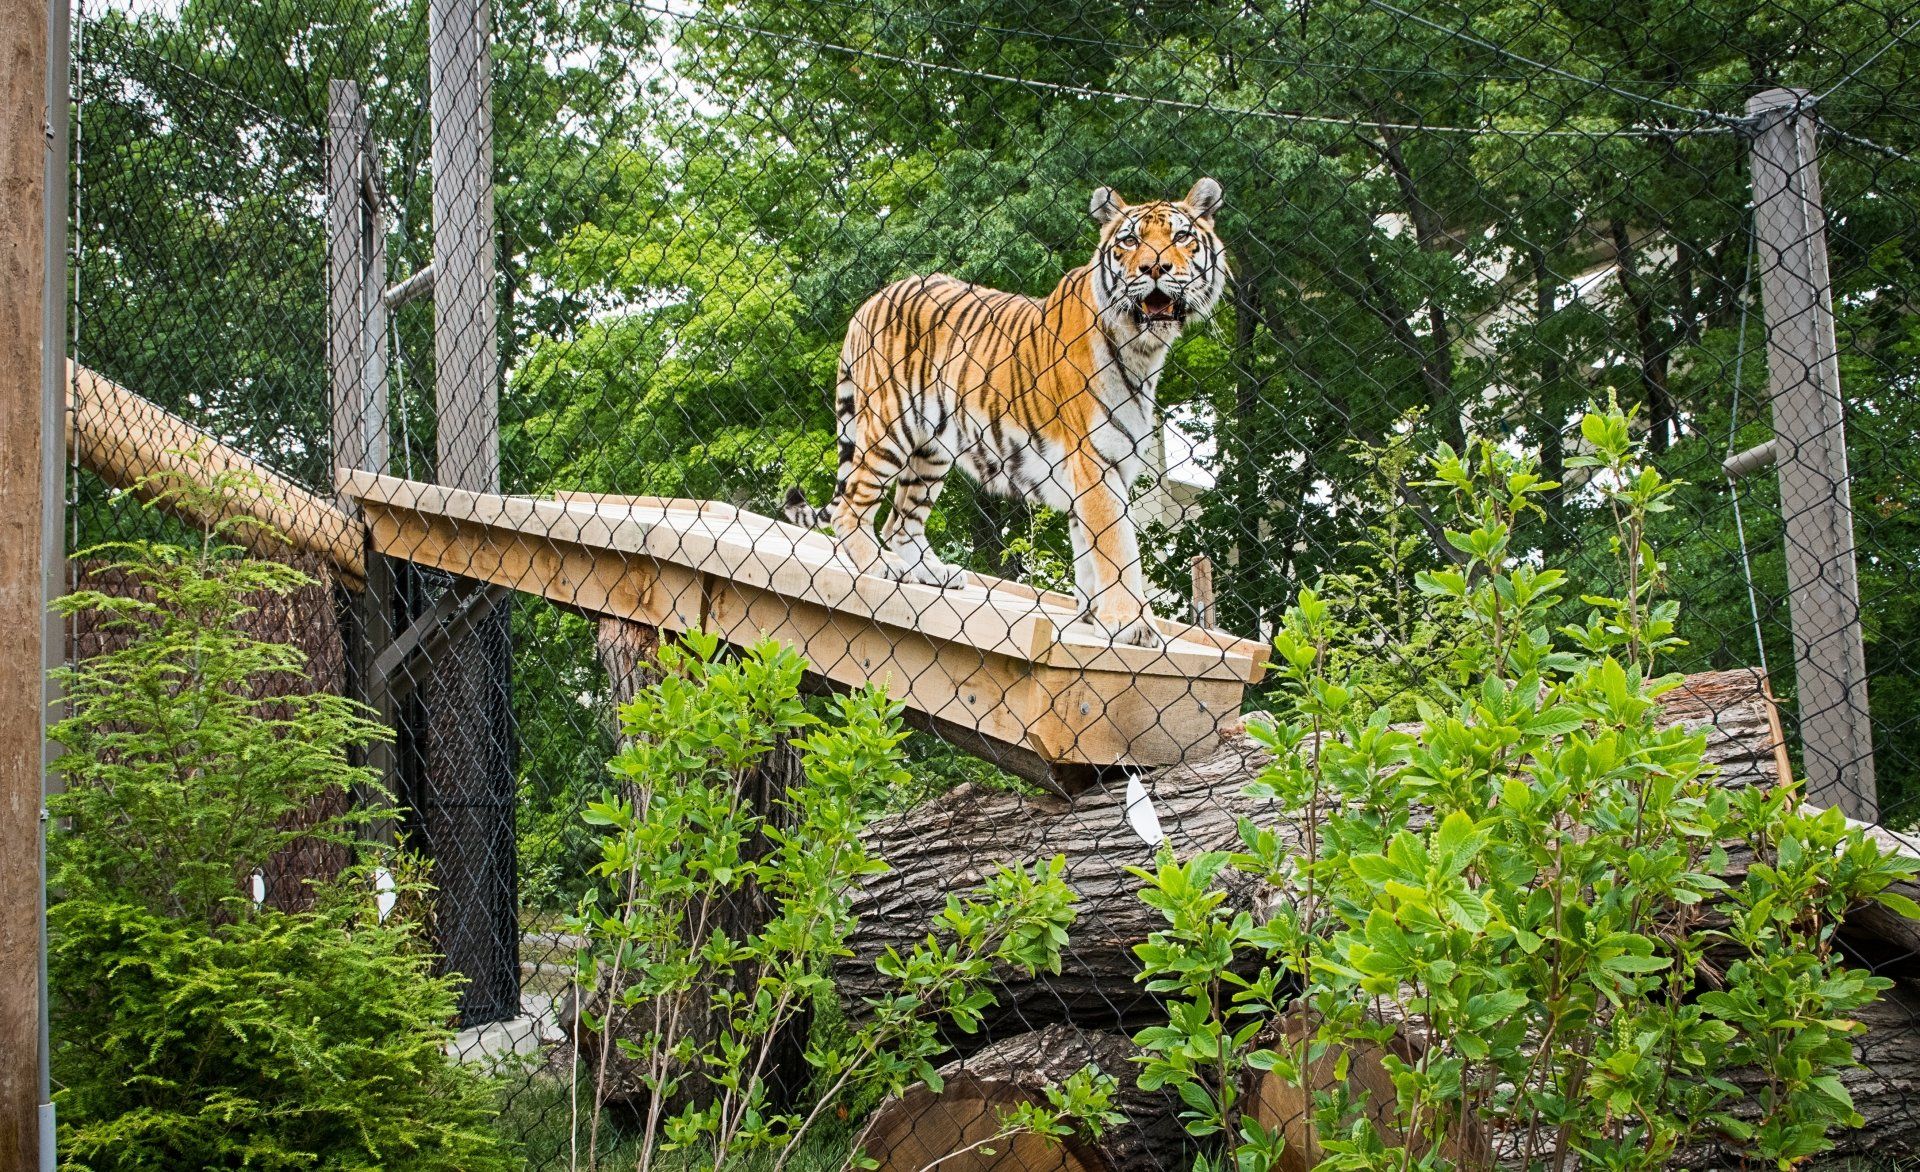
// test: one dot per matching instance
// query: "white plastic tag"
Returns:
(1140, 813)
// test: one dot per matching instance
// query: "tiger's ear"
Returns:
(1205, 198)
(1106, 205)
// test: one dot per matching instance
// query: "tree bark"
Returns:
(911, 1131)
(953, 842)
(1286, 1106)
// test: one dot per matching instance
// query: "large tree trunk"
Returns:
(962, 1126)
(951, 843)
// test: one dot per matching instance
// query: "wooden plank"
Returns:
(1803, 374)
(751, 550)
(643, 503)
(1001, 674)
(23, 293)
(124, 439)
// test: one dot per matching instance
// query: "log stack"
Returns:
(951, 843)
(963, 1125)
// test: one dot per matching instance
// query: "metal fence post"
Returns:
(1810, 445)
(468, 772)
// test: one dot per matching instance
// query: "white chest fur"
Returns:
(1126, 383)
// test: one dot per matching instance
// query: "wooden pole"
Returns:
(347, 344)
(357, 367)
(465, 346)
(1202, 571)
(53, 500)
(1803, 370)
(467, 775)
(25, 125)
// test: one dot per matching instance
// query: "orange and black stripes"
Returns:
(1047, 399)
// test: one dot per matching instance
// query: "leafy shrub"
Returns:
(1533, 882)
(194, 1028)
(684, 844)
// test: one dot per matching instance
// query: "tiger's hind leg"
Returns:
(905, 533)
(870, 458)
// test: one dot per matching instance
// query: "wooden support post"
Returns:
(31, 96)
(357, 366)
(466, 806)
(356, 287)
(1202, 570)
(1811, 453)
(465, 346)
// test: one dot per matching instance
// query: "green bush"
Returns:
(700, 998)
(1532, 880)
(192, 1027)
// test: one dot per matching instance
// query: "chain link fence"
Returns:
(629, 303)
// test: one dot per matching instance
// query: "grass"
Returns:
(536, 1115)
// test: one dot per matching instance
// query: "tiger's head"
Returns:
(1161, 263)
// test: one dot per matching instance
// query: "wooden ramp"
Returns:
(996, 667)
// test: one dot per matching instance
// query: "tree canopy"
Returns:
(1482, 215)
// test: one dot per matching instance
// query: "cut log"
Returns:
(1286, 1105)
(953, 842)
(962, 1128)
(125, 439)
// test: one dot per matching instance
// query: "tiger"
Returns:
(1048, 399)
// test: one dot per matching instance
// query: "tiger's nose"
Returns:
(1156, 269)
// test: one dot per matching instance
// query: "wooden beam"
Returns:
(1810, 447)
(24, 346)
(125, 439)
(1002, 671)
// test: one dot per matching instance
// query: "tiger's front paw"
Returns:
(1135, 630)
(863, 555)
(930, 571)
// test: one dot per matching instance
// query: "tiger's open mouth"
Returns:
(1159, 306)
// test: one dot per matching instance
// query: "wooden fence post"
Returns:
(1201, 570)
(1803, 366)
(467, 770)
(33, 90)
(357, 368)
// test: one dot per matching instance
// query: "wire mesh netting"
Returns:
(1029, 361)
